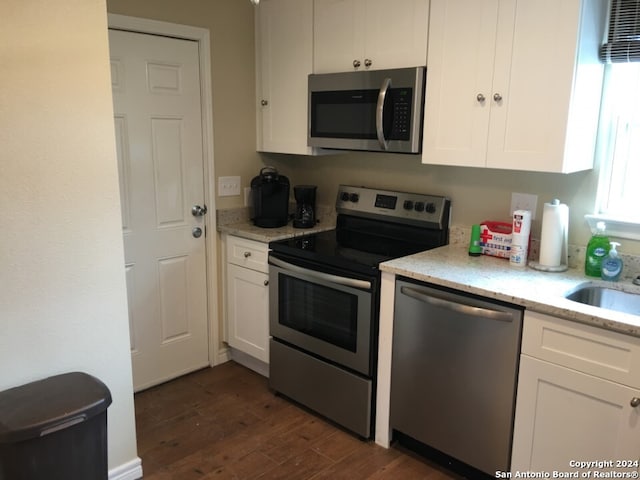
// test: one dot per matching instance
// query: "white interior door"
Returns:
(157, 114)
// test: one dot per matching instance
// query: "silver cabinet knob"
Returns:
(247, 254)
(266, 282)
(196, 232)
(635, 401)
(264, 103)
(356, 63)
(367, 62)
(480, 98)
(497, 97)
(198, 211)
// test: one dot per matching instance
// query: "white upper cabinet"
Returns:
(369, 34)
(513, 84)
(284, 59)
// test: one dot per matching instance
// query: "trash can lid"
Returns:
(51, 404)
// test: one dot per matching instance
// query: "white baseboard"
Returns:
(127, 471)
(223, 356)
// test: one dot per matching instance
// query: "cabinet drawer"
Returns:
(247, 253)
(610, 355)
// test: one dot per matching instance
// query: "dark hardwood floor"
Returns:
(224, 423)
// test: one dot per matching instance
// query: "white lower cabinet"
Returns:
(247, 297)
(567, 410)
(248, 312)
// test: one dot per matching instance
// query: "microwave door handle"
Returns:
(386, 84)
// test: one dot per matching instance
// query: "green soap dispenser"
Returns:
(612, 264)
(597, 249)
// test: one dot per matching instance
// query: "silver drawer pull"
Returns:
(635, 401)
(247, 254)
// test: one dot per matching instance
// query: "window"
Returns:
(620, 187)
(619, 136)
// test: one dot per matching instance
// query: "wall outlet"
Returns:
(524, 201)
(228, 186)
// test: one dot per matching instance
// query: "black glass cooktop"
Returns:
(361, 244)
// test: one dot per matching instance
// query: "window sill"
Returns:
(616, 227)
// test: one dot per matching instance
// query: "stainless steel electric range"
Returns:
(324, 299)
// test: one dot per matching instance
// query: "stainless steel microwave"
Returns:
(378, 110)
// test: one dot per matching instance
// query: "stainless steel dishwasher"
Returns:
(454, 371)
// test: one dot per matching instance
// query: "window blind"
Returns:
(623, 38)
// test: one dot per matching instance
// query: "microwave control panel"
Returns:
(401, 114)
(403, 207)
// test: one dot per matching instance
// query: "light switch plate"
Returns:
(228, 186)
(524, 201)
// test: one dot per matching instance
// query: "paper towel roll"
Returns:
(553, 239)
(520, 237)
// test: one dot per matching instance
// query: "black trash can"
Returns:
(55, 429)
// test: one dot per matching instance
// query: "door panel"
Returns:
(156, 92)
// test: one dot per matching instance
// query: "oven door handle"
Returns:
(346, 281)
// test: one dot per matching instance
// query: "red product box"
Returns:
(495, 238)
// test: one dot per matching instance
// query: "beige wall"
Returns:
(63, 304)
(477, 194)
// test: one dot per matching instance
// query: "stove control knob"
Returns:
(344, 196)
(354, 197)
(430, 208)
(408, 205)
(419, 206)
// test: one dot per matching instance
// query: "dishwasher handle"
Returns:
(456, 306)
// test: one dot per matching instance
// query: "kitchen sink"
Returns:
(608, 298)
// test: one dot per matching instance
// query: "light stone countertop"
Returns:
(265, 235)
(236, 222)
(495, 278)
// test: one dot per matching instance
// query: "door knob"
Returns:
(356, 63)
(497, 97)
(635, 401)
(480, 98)
(266, 282)
(196, 232)
(368, 62)
(198, 211)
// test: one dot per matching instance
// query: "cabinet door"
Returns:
(378, 34)
(338, 35)
(395, 33)
(564, 415)
(462, 42)
(537, 44)
(284, 52)
(248, 311)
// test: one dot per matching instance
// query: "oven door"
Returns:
(322, 312)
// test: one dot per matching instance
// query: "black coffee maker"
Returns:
(305, 196)
(270, 197)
